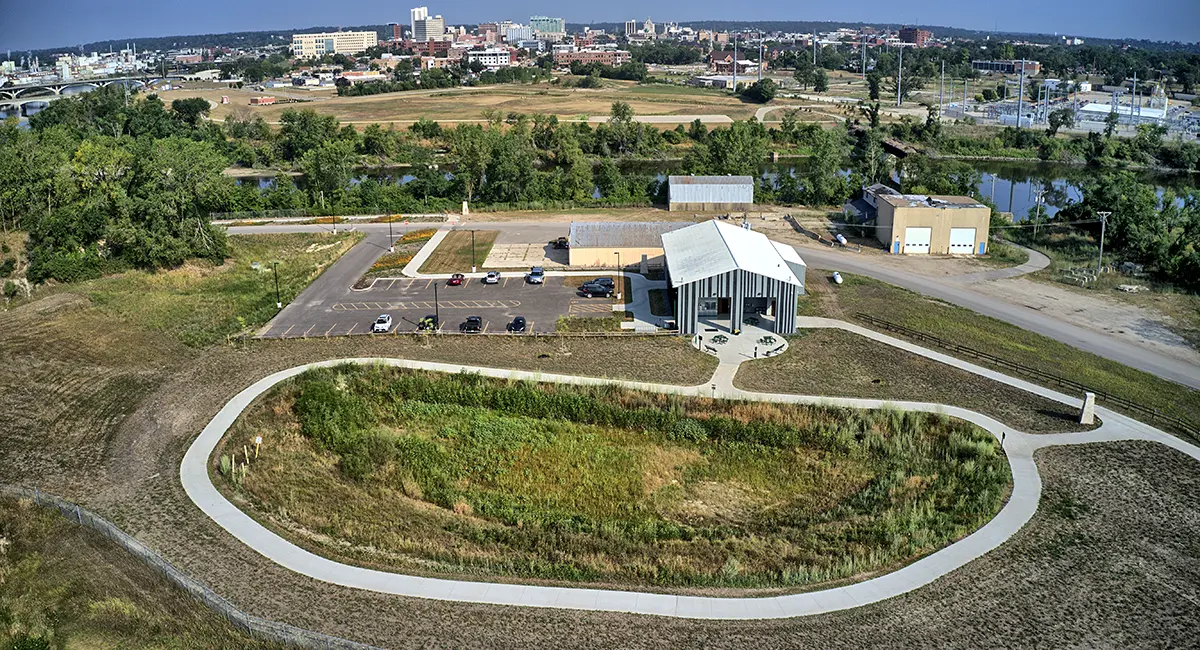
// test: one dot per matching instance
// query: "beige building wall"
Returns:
(709, 207)
(606, 257)
(892, 220)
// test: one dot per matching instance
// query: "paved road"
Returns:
(958, 291)
(1020, 508)
(953, 289)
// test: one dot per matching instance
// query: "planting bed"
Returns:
(459, 474)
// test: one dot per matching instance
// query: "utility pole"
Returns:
(1132, 98)
(1020, 94)
(864, 60)
(473, 267)
(964, 110)
(942, 88)
(760, 56)
(734, 72)
(814, 48)
(899, 74)
(1103, 223)
(1038, 219)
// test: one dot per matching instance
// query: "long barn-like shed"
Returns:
(703, 193)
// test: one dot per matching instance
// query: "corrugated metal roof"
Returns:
(712, 247)
(621, 234)
(711, 180)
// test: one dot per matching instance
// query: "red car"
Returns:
(456, 279)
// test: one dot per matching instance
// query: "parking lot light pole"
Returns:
(1103, 223)
(391, 242)
(437, 312)
(473, 266)
(278, 302)
(621, 278)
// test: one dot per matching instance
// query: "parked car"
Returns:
(595, 290)
(492, 277)
(430, 323)
(560, 243)
(536, 275)
(473, 325)
(456, 279)
(383, 324)
(518, 325)
(605, 282)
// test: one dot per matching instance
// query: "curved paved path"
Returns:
(1020, 507)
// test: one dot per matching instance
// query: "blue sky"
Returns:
(26, 24)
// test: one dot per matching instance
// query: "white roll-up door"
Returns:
(962, 241)
(916, 241)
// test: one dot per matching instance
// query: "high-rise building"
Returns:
(430, 28)
(310, 46)
(631, 27)
(516, 33)
(547, 25)
(415, 14)
(396, 30)
(915, 36)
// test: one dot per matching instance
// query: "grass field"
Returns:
(462, 474)
(200, 303)
(970, 329)
(470, 103)
(453, 254)
(842, 364)
(62, 586)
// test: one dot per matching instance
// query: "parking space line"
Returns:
(289, 329)
(330, 330)
(351, 330)
(389, 287)
(429, 284)
(309, 330)
(485, 326)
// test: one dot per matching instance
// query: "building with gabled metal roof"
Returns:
(703, 193)
(605, 244)
(721, 274)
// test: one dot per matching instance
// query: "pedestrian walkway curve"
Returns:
(1020, 508)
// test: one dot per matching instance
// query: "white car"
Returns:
(537, 275)
(383, 324)
(492, 277)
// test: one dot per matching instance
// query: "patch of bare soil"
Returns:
(1146, 327)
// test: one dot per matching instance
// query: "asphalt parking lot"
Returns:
(410, 300)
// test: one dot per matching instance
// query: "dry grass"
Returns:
(453, 254)
(74, 588)
(842, 364)
(470, 103)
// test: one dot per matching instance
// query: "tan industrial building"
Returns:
(914, 224)
(312, 46)
(602, 244)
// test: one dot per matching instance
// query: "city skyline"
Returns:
(40, 26)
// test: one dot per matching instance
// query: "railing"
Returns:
(1040, 376)
(253, 625)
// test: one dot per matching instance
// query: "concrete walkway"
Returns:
(643, 319)
(1021, 506)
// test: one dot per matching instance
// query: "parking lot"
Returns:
(410, 300)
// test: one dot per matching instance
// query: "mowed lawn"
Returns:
(454, 253)
(460, 474)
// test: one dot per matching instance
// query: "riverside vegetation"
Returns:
(460, 474)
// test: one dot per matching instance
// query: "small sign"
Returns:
(258, 440)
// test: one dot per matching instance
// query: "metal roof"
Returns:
(711, 180)
(621, 234)
(713, 247)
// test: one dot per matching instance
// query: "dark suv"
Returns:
(518, 325)
(473, 325)
(598, 287)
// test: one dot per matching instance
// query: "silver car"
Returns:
(382, 325)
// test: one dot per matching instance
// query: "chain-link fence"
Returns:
(253, 625)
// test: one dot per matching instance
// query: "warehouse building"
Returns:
(601, 244)
(720, 273)
(915, 224)
(703, 193)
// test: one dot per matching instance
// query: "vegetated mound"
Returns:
(435, 473)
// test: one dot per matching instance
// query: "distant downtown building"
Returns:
(915, 36)
(426, 28)
(1033, 68)
(491, 59)
(310, 46)
(547, 25)
(612, 58)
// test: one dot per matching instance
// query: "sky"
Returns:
(33, 24)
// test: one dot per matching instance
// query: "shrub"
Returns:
(7, 266)
(10, 289)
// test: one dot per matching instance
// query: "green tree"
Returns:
(191, 110)
(328, 169)
(738, 149)
(1110, 124)
(470, 149)
(761, 91)
(304, 130)
(820, 81)
(1059, 118)
(874, 84)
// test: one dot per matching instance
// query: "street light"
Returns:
(278, 302)
(1103, 223)
(473, 267)
(437, 312)
(620, 278)
(391, 242)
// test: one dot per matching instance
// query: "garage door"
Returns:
(916, 241)
(962, 241)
